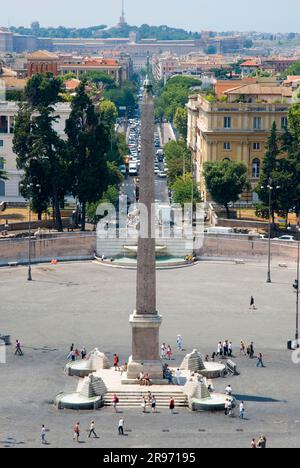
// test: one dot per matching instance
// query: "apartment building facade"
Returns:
(237, 129)
(10, 189)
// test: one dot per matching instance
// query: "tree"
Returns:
(88, 145)
(293, 70)
(270, 171)
(175, 94)
(40, 150)
(109, 113)
(225, 180)
(99, 77)
(178, 159)
(124, 96)
(42, 90)
(291, 164)
(181, 121)
(185, 189)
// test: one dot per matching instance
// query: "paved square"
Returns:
(86, 304)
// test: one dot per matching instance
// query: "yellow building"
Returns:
(236, 127)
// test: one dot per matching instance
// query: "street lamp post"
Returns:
(30, 187)
(297, 288)
(270, 188)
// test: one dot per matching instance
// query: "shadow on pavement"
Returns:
(258, 399)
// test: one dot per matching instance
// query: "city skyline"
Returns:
(171, 12)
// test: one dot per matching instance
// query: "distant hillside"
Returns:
(144, 32)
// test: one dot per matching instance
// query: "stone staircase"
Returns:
(132, 399)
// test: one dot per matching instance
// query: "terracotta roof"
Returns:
(293, 78)
(250, 63)
(72, 84)
(256, 89)
(42, 55)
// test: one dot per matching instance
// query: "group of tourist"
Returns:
(260, 444)
(149, 400)
(224, 349)
(247, 350)
(166, 352)
(75, 354)
(144, 379)
(250, 352)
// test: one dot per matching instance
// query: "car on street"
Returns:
(162, 175)
(122, 169)
(285, 238)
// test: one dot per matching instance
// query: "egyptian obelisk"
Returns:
(146, 321)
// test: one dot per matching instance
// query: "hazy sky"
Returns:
(220, 15)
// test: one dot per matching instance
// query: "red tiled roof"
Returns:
(249, 63)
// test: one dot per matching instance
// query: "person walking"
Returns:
(252, 303)
(169, 353)
(260, 362)
(116, 362)
(220, 349)
(153, 404)
(253, 444)
(76, 432)
(228, 390)
(251, 347)
(179, 343)
(144, 404)
(43, 435)
(242, 349)
(178, 376)
(225, 348)
(226, 406)
(242, 410)
(92, 431)
(172, 405)
(83, 353)
(149, 398)
(121, 427)
(262, 442)
(163, 350)
(230, 349)
(115, 403)
(18, 351)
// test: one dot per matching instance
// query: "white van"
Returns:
(133, 170)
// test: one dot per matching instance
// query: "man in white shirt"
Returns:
(242, 410)
(121, 427)
(228, 390)
(163, 351)
(178, 376)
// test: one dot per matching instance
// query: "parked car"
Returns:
(122, 169)
(285, 238)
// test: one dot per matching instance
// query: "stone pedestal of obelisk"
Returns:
(146, 321)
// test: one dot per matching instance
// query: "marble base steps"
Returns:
(133, 399)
